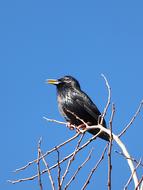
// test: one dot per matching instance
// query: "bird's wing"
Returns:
(91, 109)
(84, 102)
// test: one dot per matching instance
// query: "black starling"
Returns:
(72, 102)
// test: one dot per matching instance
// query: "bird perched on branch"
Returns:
(76, 106)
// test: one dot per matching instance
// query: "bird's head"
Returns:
(66, 81)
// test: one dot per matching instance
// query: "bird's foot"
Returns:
(81, 128)
(70, 126)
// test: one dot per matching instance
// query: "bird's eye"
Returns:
(68, 81)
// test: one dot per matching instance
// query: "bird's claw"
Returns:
(70, 126)
(81, 128)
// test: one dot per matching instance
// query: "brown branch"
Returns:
(131, 158)
(78, 169)
(59, 170)
(49, 172)
(71, 159)
(48, 152)
(54, 166)
(123, 148)
(140, 181)
(110, 148)
(94, 169)
(131, 176)
(38, 165)
(77, 127)
(79, 149)
(132, 120)
(115, 137)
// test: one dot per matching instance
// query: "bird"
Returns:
(76, 106)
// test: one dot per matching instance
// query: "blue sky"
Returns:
(49, 39)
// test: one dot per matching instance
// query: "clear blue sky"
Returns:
(49, 39)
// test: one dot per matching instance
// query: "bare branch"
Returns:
(108, 101)
(110, 148)
(48, 152)
(122, 146)
(59, 170)
(55, 121)
(132, 120)
(131, 176)
(133, 159)
(78, 127)
(71, 159)
(140, 183)
(77, 171)
(115, 137)
(54, 166)
(79, 149)
(49, 172)
(94, 169)
(38, 165)
(23, 179)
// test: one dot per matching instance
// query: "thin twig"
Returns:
(122, 146)
(108, 101)
(131, 176)
(59, 122)
(79, 149)
(71, 159)
(55, 121)
(110, 148)
(140, 181)
(102, 129)
(94, 169)
(132, 120)
(25, 179)
(38, 165)
(48, 152)
(54, 166)
(133, 159)
(59, 170)
(78, 169)
(49, 173)
(77, 127)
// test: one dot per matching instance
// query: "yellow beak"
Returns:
(52, 81)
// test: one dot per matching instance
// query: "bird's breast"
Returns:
(64, 100)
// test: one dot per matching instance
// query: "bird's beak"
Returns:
(52, 81)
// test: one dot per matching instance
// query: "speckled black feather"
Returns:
(72, 98)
